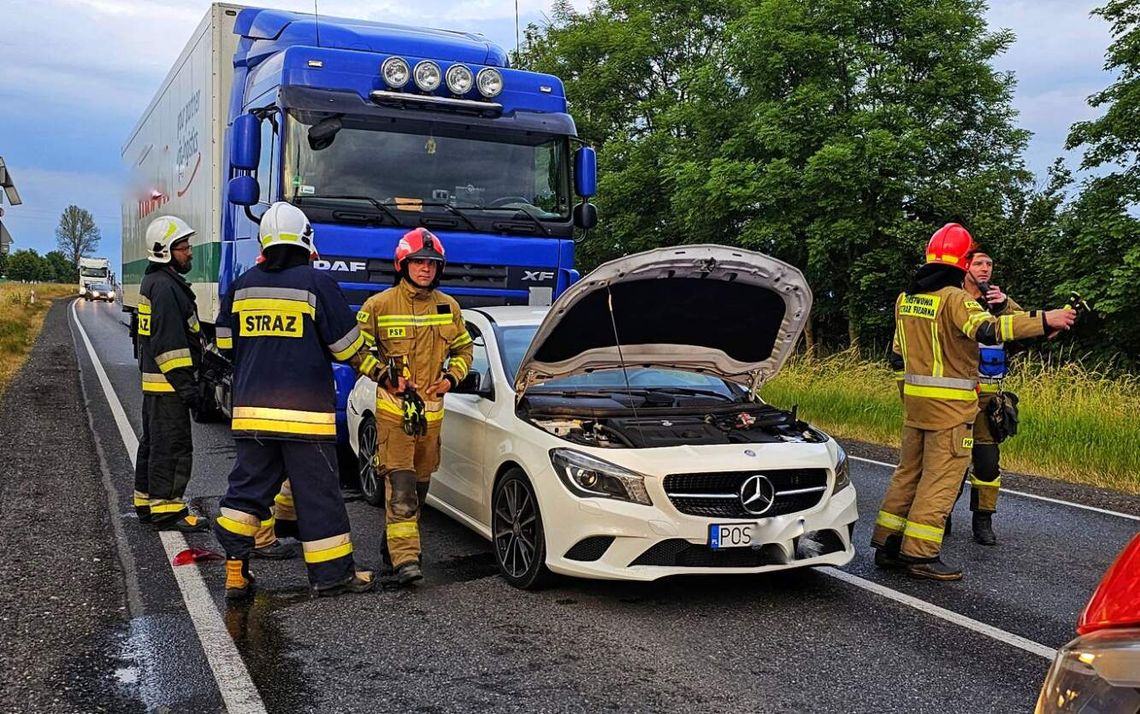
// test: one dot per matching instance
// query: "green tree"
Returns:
(835, 134)
(27, 265)
(76, 236)
(3, 264)
(59, 268)
(1098, 252)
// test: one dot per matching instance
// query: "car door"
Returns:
(459, 481)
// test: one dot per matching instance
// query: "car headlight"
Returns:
(490, 82)
(589, 477)
(842, 471)
(395, 72)
(459, 79)
(427, 76)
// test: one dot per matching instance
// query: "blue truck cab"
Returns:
(373, 129)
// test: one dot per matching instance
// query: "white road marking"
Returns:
(237, 689)
(942, 613)
(1023, 494)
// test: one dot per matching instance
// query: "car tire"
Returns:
(517, 535)
(371, 484)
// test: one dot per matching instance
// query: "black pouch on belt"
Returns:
(1002, 414)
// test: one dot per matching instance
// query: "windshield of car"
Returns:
(93, 272)
(412, 165)
(98, 286)
(514, 341)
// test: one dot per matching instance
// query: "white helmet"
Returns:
(161, 235)
(285, 224)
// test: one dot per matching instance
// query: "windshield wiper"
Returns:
(541, 226)
(454, 211)
(348, 197)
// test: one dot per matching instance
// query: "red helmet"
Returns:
(419, 244)
(951, 245)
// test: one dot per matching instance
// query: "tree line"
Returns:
(838, 135)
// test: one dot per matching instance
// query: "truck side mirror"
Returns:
(585, 172)
(245, 150)
(244, 191)
(585, 215)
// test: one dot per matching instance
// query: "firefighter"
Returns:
(985, 471)
(937, 331)
(285, 322)
(169, 350)
(425, 351)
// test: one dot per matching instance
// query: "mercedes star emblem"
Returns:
(757, 494)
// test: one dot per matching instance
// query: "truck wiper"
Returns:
(454, 211)
(541, 226)
(348, 197)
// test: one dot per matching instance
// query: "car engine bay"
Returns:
(592, 424)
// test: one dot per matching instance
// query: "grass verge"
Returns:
(1077, 424)
(21, 320)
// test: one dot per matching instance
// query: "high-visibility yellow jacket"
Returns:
(937, 336)
(423, 333)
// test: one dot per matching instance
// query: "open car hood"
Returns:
(724, 311)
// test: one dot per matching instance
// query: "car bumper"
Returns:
(615, 540)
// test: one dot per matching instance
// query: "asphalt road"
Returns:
(803, 641)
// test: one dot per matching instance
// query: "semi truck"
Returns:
(93, 270)
(372, 129)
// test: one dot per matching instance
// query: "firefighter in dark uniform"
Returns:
(170, 350)
(285, 323)
(423, 343)
(937, 331)
(993, 366)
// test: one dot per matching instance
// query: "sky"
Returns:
(75, 75)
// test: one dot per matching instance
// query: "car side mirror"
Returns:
(469, 384)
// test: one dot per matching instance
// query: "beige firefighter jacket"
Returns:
(936, 334)
(423, 333)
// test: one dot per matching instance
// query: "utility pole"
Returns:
(9, 185)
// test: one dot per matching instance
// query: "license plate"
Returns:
(730, 535)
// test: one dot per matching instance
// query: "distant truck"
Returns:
(371, 129)
(93, 270)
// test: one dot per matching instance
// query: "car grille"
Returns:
(717, 495)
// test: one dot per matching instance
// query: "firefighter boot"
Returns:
(189, 523)
(408, 573)
(279, 549)
(361, 581)
(239, 581)
(984, 529)
(934, 570)
(887, 556)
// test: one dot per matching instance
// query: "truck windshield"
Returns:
(411, 166)
(93, 272)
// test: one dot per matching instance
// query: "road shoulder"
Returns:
(63, 608)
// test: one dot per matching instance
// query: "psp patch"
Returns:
(968, 442)
(395, 332)
(272, 323)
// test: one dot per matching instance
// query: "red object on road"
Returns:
(196, 555)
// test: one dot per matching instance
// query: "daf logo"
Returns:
(340, 266)
(537, 275)
(757, 494)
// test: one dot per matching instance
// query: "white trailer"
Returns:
(93, 270)
(174, 155)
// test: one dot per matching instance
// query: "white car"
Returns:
(618, 435)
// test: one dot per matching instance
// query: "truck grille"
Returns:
(717, 495)
(455, 275)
